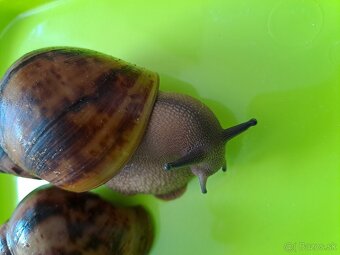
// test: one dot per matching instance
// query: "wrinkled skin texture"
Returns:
(178, 125)
(53, 221)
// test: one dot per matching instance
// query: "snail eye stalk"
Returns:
(224, 167)
(193, 157)
(231, 132)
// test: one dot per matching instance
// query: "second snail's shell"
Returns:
(51, 221)
(74, 117)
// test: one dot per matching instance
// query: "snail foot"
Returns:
(172, 195)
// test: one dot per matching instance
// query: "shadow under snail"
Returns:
(78, 119)
(54, 221)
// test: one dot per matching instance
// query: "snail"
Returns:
(55, 221)
(78, 119)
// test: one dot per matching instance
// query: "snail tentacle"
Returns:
(231, 132)
(203, 182)
(224, 167)
(193, 157)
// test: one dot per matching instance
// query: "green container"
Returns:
(278, 61)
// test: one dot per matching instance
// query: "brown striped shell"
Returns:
(8, 166)
(74, 117)
(54, 221)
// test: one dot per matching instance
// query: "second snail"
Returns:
(78, 119)
(51, 221)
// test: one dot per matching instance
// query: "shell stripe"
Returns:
(74, 117)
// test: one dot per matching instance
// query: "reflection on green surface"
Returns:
(274, 60)
(9, 9)
(8, 196)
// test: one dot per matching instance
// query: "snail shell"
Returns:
(54, 221)
(8, 166)
(3, 244)
(74, 117)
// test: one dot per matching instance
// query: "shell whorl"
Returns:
(72, 116)
(54, 221)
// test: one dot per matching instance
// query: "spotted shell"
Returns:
(54, 221)
(72, 116)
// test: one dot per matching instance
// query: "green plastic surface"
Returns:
(278, 61)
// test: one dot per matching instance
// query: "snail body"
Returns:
(184, 132)
(54, 221)
(79, 119)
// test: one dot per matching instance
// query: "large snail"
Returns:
(78, 119)
(54, 221)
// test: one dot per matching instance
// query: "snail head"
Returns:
(208, 155)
